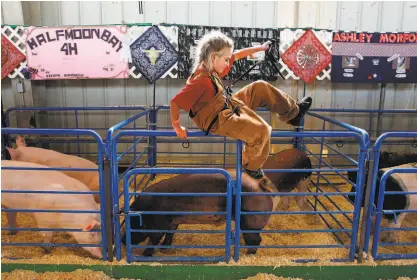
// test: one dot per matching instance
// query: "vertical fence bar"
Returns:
(109, 215)
(301, 127)
(229, 211)
(381, 106)
(370, 184)
(366, 210)
(318, 173)
(152, 142)
(237, 191)
(129, 256)
(134, 148)
(358, 201)
(378, 217)
(105, 223)
(115, 204)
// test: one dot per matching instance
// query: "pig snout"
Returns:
(87, 236)
(90, 238)
(20, 141)
(95, 251)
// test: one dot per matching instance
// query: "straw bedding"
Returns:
(264, 276)
(86, 274)
(275, 257)
(79, 274)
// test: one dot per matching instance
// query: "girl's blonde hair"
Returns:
(215, 41)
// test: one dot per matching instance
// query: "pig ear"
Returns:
(91, 225)
(13, 152)
(20, 141)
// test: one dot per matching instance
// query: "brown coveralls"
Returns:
(249, 126)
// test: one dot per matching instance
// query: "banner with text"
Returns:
(374, 57)
(76, 52)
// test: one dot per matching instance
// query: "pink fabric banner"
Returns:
(92, 52)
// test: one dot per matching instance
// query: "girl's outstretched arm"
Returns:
(239, 54)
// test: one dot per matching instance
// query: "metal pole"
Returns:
(366, 209)
(152, 139)
(108, 213)
(318, 173)
(237, 192)
(297, 139)
(381, 106)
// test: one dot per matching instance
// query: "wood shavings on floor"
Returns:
(79, 274)
(264, 257)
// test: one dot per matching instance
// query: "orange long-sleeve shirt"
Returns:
(198, 89)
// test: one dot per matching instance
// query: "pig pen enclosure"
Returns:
(164, 207)
(327, 227)
(137, 152)
(142, 150)
(78, 141)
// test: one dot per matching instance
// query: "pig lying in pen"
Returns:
(59, 160)
(35, 180)
(215, 183)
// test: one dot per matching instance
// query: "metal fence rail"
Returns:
(377, 210)
(127, 213)
(106, 243)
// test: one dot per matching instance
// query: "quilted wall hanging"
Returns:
(307, 57)
(188, 37)
(287, 38)
(374, 57)
(11, 57)
(153, 54)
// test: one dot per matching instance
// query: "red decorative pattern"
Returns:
(307, 57)
(11, 57)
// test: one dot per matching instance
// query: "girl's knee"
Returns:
(264, 131)
(261, 84)
(260, 134)
(268, 130)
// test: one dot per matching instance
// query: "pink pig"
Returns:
(34, 180)
(59, 160)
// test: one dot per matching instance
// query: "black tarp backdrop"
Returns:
(374, 57)
(188, 36)
(4, 138)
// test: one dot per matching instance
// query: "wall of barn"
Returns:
(348, 15)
